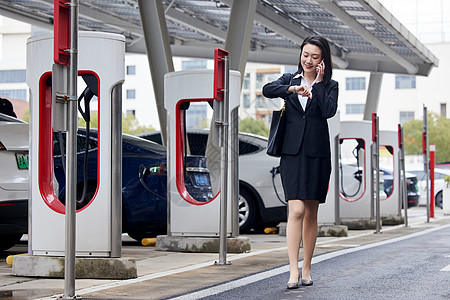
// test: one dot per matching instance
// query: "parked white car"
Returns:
(261, 196)
(13, 180)
(439, 183)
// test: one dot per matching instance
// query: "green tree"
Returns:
(253, 126)
(438, 134)
(26, 115)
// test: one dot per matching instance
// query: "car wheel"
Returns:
(247, 211)
(7, 241)
(438, 199)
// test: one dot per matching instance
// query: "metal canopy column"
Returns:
(159, 53)
(239, 33)
(373, 95)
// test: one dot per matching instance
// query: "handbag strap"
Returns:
(282, 109)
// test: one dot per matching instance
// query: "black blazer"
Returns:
(307, 126)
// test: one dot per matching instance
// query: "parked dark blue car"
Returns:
(144, 181)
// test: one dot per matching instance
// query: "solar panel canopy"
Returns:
(363, 34)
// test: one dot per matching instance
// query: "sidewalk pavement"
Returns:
(164, 274)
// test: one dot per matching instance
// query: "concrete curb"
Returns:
(85, 268)
(201, 244)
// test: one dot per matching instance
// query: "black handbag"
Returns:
(276, 133)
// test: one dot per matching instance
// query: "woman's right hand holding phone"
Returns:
(320, 70)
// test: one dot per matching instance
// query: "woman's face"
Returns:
(311, 56)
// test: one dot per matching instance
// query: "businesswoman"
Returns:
(311, 98)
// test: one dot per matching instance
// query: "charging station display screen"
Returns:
(201, 179)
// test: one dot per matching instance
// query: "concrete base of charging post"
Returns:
(282, 228)
(360, 224)
(85, 268)
(392, 221)
(332, 230)
(323, 230)
(201, 244)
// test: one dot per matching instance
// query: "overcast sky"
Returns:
(428, 20)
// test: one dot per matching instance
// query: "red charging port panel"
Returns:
(61, 41)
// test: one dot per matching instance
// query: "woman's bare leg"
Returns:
(294, 236)
(309, 236)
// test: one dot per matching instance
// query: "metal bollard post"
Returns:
(426, 165)
(404, 195)
(224, 169)
(71, 159)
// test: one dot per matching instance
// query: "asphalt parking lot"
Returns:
(163, 275)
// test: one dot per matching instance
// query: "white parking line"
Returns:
(447, 268)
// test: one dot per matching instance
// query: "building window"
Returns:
(354, 109)
(290, 69)
(263, 78)
(405, 82)
(444, 110)
(14, 94)
(131, 70)
(131, 94)
(12, 76)
(247, 81)
(131, 112)
(193, 64)
(406, 116)
(195, 116)
(246, 101)
(355, 83)
(259, 81)
(262, 102)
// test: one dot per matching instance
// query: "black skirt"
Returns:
(304, 177)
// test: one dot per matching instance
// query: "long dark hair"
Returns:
(324, 46)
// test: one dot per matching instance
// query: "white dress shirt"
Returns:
(304, 100)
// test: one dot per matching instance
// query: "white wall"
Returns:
(145, 103)
(13, 37)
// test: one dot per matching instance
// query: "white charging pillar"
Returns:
(328, 210)
(98, 225)
(389, 202)
(358, 205)
(186, 216)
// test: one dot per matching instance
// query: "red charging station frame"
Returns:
(219, 73)
(432, 177)
(61, 42)
(45, 148)
(218, 94)
(374, 127)
(364, 177)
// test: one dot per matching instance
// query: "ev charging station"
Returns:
(355, 170)
(390, 204)
(327, 212)
(357, 166)
(101, 59)
(188, 216)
